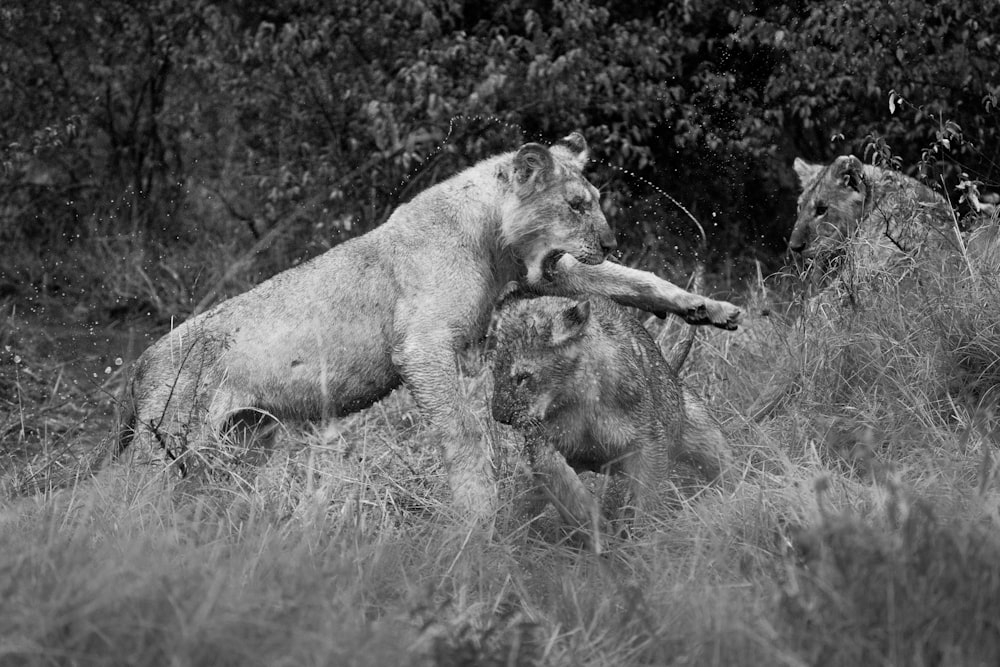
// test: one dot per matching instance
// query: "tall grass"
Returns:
(860, 527)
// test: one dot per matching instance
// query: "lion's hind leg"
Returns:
(150, 447)
(187, 433)
(144, 461)
(245, 437)
(231, 433)
(645, 489)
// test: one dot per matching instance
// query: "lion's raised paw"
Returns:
(721, 314)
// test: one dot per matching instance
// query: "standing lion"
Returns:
(391, 307)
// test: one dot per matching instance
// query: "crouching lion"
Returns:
(857, 222)
(392, 306)
(589, 388)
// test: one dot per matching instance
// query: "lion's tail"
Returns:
(678, 354)
(126, 420)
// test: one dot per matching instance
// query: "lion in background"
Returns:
(393, 306)
(588, 386)
(858, 222)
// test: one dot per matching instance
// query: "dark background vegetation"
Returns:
(158, 156)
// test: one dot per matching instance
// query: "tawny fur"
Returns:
(858, 223)
(590, 389)
(393, 306)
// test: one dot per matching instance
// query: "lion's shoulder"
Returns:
(899, 191)
(910, 213)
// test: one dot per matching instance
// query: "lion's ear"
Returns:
(806, 171)
(577, 146)
(850, 171)
(571, 323)
(532, 159)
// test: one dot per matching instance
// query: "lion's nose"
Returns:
(608, 242)
(798, 240)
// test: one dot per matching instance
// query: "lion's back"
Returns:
(885, 202)
(912, 214)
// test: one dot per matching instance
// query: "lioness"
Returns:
(588, 386)
(865, 218)
(341, 331)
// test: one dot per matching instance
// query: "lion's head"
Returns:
(536, 360)
(830, 207)
(552, 208)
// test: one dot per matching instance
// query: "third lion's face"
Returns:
(829, 209)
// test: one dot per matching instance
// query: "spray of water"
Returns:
(489, 120)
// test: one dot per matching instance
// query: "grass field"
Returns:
(860, 524)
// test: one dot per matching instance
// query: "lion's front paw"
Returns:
(721, 314)
(697, 315)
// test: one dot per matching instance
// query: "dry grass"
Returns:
(860, 529)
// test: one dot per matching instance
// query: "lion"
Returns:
(588, 386)
(391, 307)
(856, 221)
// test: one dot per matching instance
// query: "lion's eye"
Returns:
(820, 208)
(578, 204)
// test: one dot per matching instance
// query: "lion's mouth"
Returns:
(549, 264)
(552, 259)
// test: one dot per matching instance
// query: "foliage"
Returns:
(850, 64)
(287, 127)
(155, 157)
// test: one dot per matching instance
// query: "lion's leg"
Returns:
(143, 465)
(616, 499)
(529, 496)
(140, 474)
(248, 437)
(153, 431)
(632, 287)
(230, 432)
(177, 425)
(429, 369)
(146, 451)
(527, 499)
(646, 475)
(565, 490)
(703, 446)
